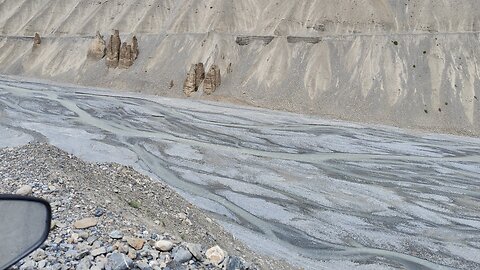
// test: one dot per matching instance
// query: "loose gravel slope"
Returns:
(106, 213)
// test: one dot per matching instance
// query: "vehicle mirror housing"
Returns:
(24, 226)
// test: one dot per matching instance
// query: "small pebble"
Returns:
(99, 212)
(116, 234)
(181, 254)
(163, 245)
(85, 223)
(215, 255)
(24, 190)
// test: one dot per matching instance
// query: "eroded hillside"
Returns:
(408, 63)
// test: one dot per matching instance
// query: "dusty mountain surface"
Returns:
(410, 63)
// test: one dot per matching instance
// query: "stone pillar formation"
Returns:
(126, 56)
(212, 80)
(134, 48)
(113, 50)
(121, 55)
(36, 41)
(195, 76)
(189, 84)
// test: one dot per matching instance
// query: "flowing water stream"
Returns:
(321, 194)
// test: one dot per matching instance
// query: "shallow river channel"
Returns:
(320, 194)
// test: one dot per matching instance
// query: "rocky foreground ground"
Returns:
(108, 216)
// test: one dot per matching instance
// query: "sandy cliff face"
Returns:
(258, 17)
(409, 63)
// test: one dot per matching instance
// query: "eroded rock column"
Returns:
(126, 56)
(212, 80)
(189, 86)
(113, 50)
(134, 48)
(195, 77)
(36, 41)
(199, 75)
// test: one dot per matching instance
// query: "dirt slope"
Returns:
(128, 201)
(410, 63)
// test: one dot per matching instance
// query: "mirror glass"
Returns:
(24, 226)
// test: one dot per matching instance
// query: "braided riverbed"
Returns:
(318, 193)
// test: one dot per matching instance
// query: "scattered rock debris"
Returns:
(93, 228)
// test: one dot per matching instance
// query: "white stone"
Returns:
(215, 255)
(164, 245)
(24, 190)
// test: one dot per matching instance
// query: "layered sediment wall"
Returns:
(407, 63)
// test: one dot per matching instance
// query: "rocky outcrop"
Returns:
(126, 56)
(317, 27)
(121, 55)
(212, 80)
(195, 76)
(129, 56)
(36, 40)
(134, 48)
(295, 39)
(113, 50)
(246, 40)
(98, 48)
(123, 52)
(199, 74)
(189, 84)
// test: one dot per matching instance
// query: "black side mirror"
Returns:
(24, 226)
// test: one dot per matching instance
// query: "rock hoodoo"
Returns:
(126, 56)
(36, 40)
(123, 52)
(129, 56)
(120, 54)
(189, 84)
(134, 48)
(195, 76)
(199, 74)
(97, 48)
(212, 80)
(113, 50)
